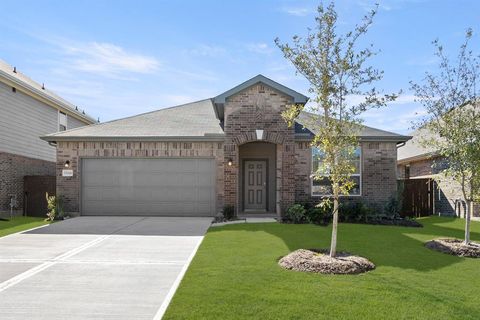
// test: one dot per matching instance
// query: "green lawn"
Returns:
(19, 224)
(235, 275)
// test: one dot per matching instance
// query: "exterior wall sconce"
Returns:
(67, 164)
(259, 134)
(230, 162)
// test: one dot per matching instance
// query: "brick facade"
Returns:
(259, 107)
(12, 170)
(379, 181)
(379, 176)
(69, 187)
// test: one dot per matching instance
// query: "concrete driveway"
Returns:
(97, 267)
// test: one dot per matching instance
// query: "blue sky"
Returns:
(120, 58)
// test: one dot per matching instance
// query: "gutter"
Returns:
(398, 139)
(206, 138)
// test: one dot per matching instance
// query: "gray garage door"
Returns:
(163, 187)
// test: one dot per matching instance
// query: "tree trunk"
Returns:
(333, 243)
(468, 214)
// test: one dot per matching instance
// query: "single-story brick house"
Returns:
(192, 159)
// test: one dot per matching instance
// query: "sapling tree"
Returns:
(450, 95)
(337, 70)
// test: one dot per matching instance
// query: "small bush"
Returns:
(55, 207)
(354, 212)
(228, 212)
(296, 214)
(392, 208)
(320, 214)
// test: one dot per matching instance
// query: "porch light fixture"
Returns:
(259, 134)
(67, 164)
(230, 162)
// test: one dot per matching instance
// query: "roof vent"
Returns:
(43, 86)
(98, 120)
(83, 111)
(14, 69)
(76, 108)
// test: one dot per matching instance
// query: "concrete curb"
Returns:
(176, 283)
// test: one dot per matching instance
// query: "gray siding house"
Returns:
(193, 159)
(28, 111)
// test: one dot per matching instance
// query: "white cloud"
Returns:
(173, 100)
(260, 47)
(398, 118)
(386, 5)
(208, 50)
(402, 99)
(423, 61)
(296, 11)
(108, 59)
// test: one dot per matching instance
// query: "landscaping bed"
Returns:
(455, 247)
(349, 212)
(319, 261)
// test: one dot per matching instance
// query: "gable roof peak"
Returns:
(260, 78)
(219, 101)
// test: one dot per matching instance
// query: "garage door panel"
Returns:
(170, 187)
(141, 208)
(205, 181)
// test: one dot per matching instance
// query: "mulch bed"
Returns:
(455, 247)
(319, 261)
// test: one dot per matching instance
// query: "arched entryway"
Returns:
(257, 183)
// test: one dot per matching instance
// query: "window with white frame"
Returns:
(62, 121)
(323, 186)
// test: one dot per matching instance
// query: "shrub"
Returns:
(355, 212)
(320, 214)
(392, 208)
(296, 214)
(228, 212)
(55, 207)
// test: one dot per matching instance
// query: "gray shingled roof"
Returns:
(193, 121)
(7, 72)
(413, 149)
(366, 133)
(196, 119)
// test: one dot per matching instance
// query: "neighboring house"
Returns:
(192, 159)
(419, 162)
(28, 111)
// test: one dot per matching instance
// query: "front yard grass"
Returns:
(235, 275)
(17, 224)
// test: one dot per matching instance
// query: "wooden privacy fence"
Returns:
(417, 197)
(35, 187)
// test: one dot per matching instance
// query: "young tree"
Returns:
(336, 69)
(451, 98)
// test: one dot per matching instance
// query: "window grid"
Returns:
(358, 165)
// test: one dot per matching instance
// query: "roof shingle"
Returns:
(196, 119)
